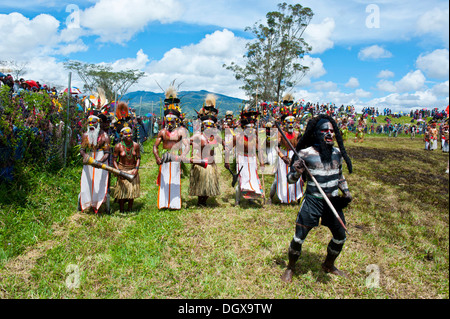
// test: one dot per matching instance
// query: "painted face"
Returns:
(325, 132)
(171, 122)
(208, 124)
(289, 123)
(127, 134)
(92, 123)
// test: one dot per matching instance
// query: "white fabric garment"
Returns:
(94, 184)
(433, 144)
(169, 181)
(287, 193)
(249, 181)
(272, 158)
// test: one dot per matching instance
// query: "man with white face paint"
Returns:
(324, 161)
(95, 143)
(207, 144)
(248, 155)
(287, 193)
(173, 140)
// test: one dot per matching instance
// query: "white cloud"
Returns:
(199, 65)
(435, 22)
(117, 20)
(316, 69)
(362, 93)
(435, 64)
(405, 101)
(385, 74)
(441, 89)
(47, 70)
(138, 63)
(324, 86)
(318, 36)
(386, 86)
(66, 49)
(374, 52)
(22, 37)
(352, 83)
(412, 81)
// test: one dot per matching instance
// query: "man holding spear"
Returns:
(320, 164)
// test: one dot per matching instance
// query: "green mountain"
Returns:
(191, 101)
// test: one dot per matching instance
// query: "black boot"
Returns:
(329, 267)
(289, 272)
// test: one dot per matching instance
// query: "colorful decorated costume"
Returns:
(169, 177)
(248, 157)
(204, 181)
(286, 192)
(94, 181)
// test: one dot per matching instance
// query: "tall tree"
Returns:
(17, 69)
(100, 75)
(274, 57)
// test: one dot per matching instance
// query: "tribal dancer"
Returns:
(445, 136)
(121, 120)
(287, 193)
(248, 155)
(433, 136)
(324, 162)
(426, 138)
(173, 139)
(344, 129)
(204, 181)
(359, 137)
(128, 155)
(95, 143)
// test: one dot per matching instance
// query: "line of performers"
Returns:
(296, 159)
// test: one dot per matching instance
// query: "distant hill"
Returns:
(191, 101)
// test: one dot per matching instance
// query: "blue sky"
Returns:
(365, 53)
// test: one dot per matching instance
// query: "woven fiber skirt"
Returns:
(125, 189)
(204, 181)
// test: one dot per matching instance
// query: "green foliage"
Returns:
(32, 130)
(274, 57)
(99, 75)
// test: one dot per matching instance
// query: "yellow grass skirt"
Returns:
(125, 189)
(204, 181)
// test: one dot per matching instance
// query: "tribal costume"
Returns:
(433, 136)
(204, 181)
(94, 181)
(286, 192)
(125, 189)
(325, 163)
(127, 158)
(271, 150)
(445, 137)
(169, 177)
(249, 186)
(359, 137)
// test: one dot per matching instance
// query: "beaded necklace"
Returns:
(128, 150)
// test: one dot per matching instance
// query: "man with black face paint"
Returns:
(324, 161)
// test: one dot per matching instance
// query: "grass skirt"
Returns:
(125, 189)
(204, 181)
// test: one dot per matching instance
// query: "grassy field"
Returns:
(397, 247)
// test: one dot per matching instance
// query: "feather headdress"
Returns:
(171, 102)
